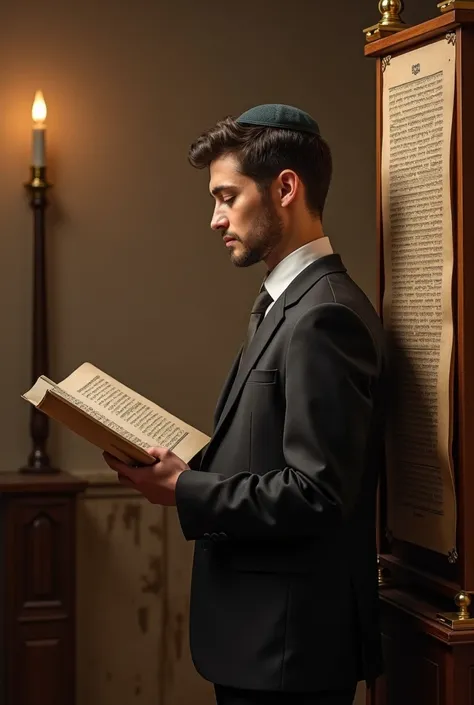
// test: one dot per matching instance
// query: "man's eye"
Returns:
(229, 200)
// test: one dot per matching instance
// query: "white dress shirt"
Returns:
(288, 269)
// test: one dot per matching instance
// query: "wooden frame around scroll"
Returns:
(404, 559)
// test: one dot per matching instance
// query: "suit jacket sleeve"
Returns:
(331, 377)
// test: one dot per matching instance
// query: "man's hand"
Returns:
(155, 482)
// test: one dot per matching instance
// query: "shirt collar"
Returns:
(288, 269)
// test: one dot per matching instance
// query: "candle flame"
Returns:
(39, 110)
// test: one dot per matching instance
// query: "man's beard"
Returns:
(266, 234)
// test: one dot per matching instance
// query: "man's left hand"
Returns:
(155, 482)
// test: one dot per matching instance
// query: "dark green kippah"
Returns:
(276, 115)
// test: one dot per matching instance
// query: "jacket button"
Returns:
(205, 542)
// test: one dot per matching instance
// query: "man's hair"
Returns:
(264, 152)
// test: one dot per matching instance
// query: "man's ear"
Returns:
(289, 185)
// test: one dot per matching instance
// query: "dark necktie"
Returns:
(262, 302)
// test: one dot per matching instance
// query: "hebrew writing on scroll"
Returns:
(418, 104)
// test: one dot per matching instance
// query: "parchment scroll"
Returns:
(418, 104)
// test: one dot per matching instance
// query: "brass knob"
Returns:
(463, 602)
(391, 11)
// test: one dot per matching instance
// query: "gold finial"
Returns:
(391, 22)
(462, 618)
(391, 11)
(463, 602)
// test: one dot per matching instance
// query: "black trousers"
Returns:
(234, 696)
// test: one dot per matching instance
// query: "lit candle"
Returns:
(38, 113)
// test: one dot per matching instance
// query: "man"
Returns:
(282, 502)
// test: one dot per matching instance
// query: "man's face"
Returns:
(247, 218)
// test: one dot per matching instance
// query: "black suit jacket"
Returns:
(282, 507)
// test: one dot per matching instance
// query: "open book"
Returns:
(114, 417)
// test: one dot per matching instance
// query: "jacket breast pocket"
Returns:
(262, 377)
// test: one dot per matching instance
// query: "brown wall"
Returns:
(138, 284)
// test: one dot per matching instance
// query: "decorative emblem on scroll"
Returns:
(386, 62)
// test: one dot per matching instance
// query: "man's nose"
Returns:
(219, 221)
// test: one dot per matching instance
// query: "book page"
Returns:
(131, 414)
(38, 391)
(418, 105)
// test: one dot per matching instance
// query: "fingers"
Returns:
(110, 460)
(126, 482)
(139, 475)
(117, 465)
(158, 452)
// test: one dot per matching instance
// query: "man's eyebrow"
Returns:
(218, 189)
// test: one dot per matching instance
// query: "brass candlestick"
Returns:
(38, 460)
(391, 22)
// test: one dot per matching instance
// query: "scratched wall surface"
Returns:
(132, 604)
(120, 599)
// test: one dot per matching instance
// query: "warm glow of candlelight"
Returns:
(39, 110)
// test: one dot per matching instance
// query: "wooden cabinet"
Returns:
(425, 662)
(37, 587)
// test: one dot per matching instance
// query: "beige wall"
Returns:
(137, 282)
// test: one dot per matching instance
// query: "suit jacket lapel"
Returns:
(226, 388)
(264, 334)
